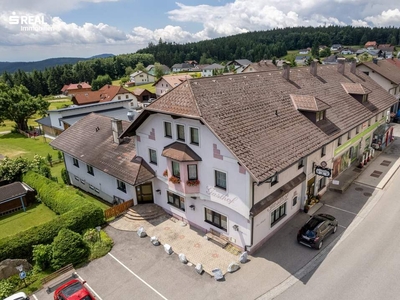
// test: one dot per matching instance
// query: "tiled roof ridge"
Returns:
(193, 98)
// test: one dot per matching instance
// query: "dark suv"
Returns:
(316, 229)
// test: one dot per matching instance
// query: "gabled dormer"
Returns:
(360, 93)
(315, 110)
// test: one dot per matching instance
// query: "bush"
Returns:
(99, 243)
(68, 248)
(6, 288)
(58, 198)
(42, 256)
(64, 176)
(21, 245)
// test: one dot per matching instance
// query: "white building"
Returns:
(141, 77)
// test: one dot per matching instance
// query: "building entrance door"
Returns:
(144, 193)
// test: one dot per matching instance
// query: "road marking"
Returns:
(81, 279)
(350, 212)
(130, 271)
(34, 296)
(342, 226)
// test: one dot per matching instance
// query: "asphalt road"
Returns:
(365, 265)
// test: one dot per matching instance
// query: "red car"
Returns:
(73, 290)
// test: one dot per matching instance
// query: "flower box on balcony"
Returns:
(193, 182)
(174, 179)
(165, 174)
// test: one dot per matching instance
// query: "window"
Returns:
(339, 141)
(322, 183)
(126, 96)
(119, 97)
(194, 136)
(294, 201)
(75, 162)
(192, 172)
(181, 132)
(300, 164)
(278, 214)
(153, 156)
(376, 118)
(366, 73)
(323, 151)
(369, 123)
(358, 129)
(121, 186)
(167, 129)
(216, 219)
(274, 180)
(90, 170)
(320, 115)
(349, 135)
(77, 178)
(176, 200)
(220, 179)
(383, 114)
(176, 169)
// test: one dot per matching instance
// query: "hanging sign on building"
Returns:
(323, 171)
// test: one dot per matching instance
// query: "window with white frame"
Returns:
(220, 179)
(194, 136)
(274, 179)
(75, 162)
(121, 186)
(180, 132)
(323, 151)
(216, 219)
(167, 129)
(176, 200)
(322, 183)
(90, 169)
(153, 156)
(176, 171)
(192, 172)
(278, 214)
(294, 201)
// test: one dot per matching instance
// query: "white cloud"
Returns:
(389, 17)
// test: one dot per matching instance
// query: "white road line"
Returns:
(130, 271)
(86, 284)
(350, 212)
(34, 296)
(342, 226)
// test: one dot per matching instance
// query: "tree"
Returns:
(42, 256)
(17, 105)
(140, 67)
(158, 71)
(129, 71)
(101, 81)
(68, 247)
(315, 49)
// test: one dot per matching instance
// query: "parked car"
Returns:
(73, 290)
(313, 233)
(18, 296)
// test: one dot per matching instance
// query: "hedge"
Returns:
(79, 219)
(58, 198)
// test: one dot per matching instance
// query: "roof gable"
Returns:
(308, 103)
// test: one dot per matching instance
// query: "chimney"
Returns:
(341, 66)
(375, 61)
(286, 71)
(353, 67)
(116, 126)
(313, 68)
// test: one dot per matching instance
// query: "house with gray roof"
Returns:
(151, 69)
(239, 64)
(210, 70)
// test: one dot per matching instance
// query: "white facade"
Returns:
(100, 184)
(141, 77)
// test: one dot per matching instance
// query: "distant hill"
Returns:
(11, 67)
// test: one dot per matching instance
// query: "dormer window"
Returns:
(320, 115)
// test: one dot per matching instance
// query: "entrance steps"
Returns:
(144, 212)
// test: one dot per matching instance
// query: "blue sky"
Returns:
(83, 28)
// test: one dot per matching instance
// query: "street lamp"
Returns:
(98, 228)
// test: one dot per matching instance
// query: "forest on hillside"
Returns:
(252, 45)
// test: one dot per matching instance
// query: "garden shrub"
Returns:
(6, 288)
(58, 198)
(21, 244)
(64, 176)
(68, 247)
(42, 256)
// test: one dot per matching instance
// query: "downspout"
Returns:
(252, 218)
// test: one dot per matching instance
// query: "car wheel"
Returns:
(319, 245)
(334, 229)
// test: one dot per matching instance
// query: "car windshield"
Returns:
(86, 298)
(72, 289)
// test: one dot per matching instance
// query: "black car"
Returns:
(316, 229)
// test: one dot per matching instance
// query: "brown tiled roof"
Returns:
(174, 80)
(74, 86)
(260, 66)
(138, 91)
(386, 69)
(394, 61)
(370, 44)
(252, 114)
(308, 103)
(90, 140)
(105, 94)
(355, 88)
(180, 152)
(12, 191)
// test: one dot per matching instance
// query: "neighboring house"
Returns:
(76, 88)
(211, 69)
(60, 119)
(143, 95)
(303, 51)
(330, 60)
(347, 51)
(336, 47)
(105, 94)
(386, 74)
(168, 82)
(371, 45)
(246, 174)
(260, 66)
(151, 69)
(387, 50)
(99, 162)
(141, 77)
(15, 196)
(185, 67)
(302, 60)
(239, 64)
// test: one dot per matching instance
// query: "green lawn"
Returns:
(19, 221)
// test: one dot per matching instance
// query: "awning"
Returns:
(180, 152)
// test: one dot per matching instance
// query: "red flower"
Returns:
(193, 182)
(174, 179)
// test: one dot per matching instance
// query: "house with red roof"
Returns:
(76, 88)
(105, 94)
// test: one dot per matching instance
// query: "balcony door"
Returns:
(144, 193)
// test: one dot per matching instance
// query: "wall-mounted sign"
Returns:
(323, 172)
(228, 200)
(323, 164)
